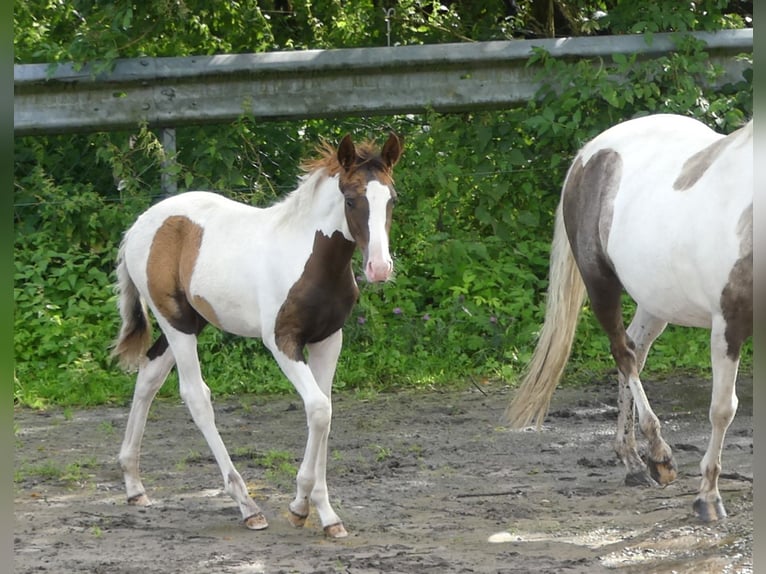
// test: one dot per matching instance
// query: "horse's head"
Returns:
(367, 186)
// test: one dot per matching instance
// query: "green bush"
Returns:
(471, 234)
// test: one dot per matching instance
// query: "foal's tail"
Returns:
(566, 294)
(135, 332)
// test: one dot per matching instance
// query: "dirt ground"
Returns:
(426, 482)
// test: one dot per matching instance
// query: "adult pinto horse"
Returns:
(662, 207)
(282, 274)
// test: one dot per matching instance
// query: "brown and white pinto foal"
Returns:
(282, 274)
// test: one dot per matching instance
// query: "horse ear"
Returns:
(392, 150)
(346, 153)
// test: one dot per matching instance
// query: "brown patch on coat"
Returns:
(205, 309)
(696, 166)
(320, 301)
(588, 207)
(169, 267)
(737, 295)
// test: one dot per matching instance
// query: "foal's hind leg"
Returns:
(151, 376)
(196, 394)
(723, 405)
(643, 331)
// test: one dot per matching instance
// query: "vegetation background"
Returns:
(477, 190)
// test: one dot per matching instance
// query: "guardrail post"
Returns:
(169, 182)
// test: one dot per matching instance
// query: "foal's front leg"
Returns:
(313, 382)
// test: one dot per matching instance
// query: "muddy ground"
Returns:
(422, 481)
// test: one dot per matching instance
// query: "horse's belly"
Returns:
(226, 293)
(670, 304)
(675, 270)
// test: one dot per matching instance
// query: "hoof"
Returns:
(256, 522)
(664, 472)
(335, 531)
(709, 511)
(139, 500)
(297, 520)
(639, 478)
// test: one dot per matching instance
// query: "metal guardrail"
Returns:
(171, 92)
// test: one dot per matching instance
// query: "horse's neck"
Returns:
(317, 204)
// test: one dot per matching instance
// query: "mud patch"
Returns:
(421, 480)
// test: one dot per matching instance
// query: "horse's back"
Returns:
(672, 222)
(178, 218)
(199, 245)
(198, 206)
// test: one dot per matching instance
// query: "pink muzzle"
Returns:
(378, 269)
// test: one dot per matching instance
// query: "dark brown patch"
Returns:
(587, 205)
(169, 268)
(696, 166)
(737, 295)
(158, 348)
(357, 216)
(320, 301)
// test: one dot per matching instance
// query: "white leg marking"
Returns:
(313, 382)
(150, 378)
(723, 406)
(643, 331)
(196, 394)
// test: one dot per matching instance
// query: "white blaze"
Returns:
(379, 264)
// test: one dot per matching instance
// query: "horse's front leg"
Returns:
(723, 405)
(313, 382)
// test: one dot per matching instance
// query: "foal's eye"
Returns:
(350, 203)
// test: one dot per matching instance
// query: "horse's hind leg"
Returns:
(605, 292)
(643, 331)
(196, 394)
(723, 405)
(151, 375)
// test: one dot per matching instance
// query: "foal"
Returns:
(282, 274)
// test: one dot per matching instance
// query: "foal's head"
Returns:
(365, 180)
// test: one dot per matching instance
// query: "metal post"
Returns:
(388, 14)
(168, 181)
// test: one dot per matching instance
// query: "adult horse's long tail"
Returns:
(135, 332)
(566, 294)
